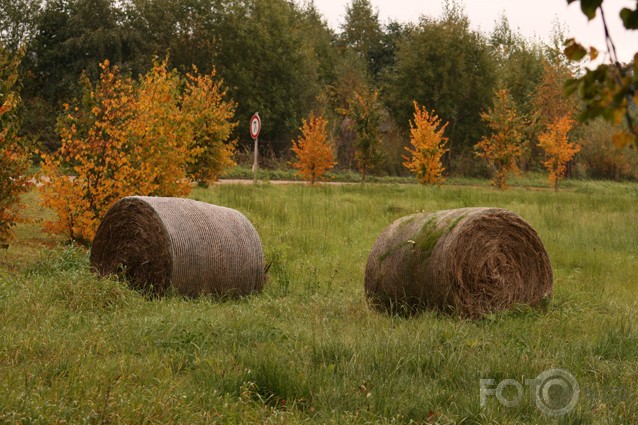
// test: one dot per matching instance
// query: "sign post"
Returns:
(255, 128)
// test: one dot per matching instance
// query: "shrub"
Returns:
(14, 161)
(127, 139)
(600, 158)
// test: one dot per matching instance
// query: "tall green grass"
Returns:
(78, 349)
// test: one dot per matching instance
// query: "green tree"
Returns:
(365, 112)
(18, 22)
(519, 63)
(72, 38)
(321, 39)
(183, 28)
(362, 32)
(384, 57)
(269, 64)
(350, 77)
(456, 84)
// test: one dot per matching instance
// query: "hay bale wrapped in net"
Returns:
(468, 261)
(194, 247)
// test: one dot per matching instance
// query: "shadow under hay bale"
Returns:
(468, 261)
(193, 247)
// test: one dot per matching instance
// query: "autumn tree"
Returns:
(313, 150)
(558, 149)
(96, 149)
(158, 128)
(426, 137)
(549, 101)
(365, 112)
(210, 116)
(126, 138)
(14, 160)
(505, 145)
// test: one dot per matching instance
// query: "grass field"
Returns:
(78, 349)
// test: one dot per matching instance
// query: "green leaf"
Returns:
(629, 18)
(574, 51)
(589, 7)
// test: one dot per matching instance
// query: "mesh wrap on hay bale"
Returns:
(470, 261)
(195, 247)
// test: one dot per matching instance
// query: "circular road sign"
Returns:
(255, 126)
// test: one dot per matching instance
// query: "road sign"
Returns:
(255, 126)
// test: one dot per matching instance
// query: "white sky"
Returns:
(533, 19)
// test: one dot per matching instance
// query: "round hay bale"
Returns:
(468, 261)
(194, 247)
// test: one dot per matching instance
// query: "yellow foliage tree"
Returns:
(158, 132)
(313, 150)
(558, 149)
(14, 160)
(123, 139)
(505, 146)
(426, 136)
(210, 116)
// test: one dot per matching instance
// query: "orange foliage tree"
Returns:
(426, 136)
(505, 146)
(14, 160)
(313, 150)
(550, 102)
(122, 139)
(558, 149)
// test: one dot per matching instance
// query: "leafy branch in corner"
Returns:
(609, 91)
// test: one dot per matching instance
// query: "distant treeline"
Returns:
(280, 58)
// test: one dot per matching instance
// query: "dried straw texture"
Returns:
(194, 247)
(468, 261)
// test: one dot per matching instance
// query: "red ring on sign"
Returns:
(255, 126)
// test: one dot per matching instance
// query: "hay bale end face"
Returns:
(468, 261)
(194, 247)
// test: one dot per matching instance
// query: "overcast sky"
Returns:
(534, 19)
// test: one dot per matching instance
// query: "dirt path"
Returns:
(279, 182)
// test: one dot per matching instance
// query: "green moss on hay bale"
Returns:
(470, 261)
(192, 247)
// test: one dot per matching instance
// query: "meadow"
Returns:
(75, 348)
